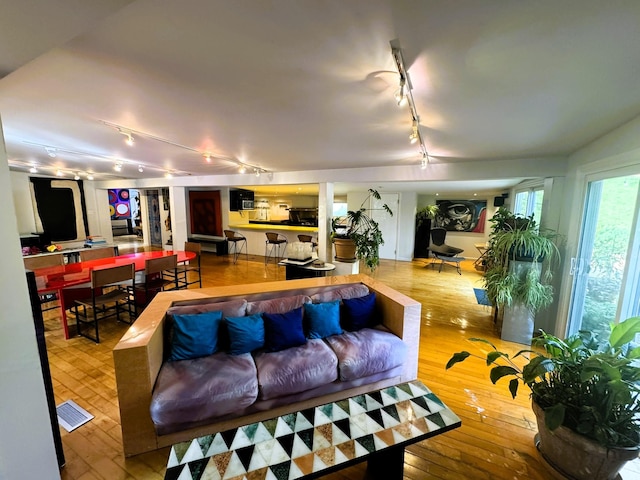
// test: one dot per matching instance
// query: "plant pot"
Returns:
(345, 250)
(577, 457)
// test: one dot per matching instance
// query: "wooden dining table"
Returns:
(60, 277)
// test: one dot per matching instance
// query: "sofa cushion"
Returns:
(296, 369)
(366, 352)
(232, 308)
(359, 312)
(322, 319)
(283, 330)
(195, 335)
(203, 388)
(246, 334)
(350, 291)
(276, 305)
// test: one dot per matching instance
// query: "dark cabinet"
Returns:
(240, 200)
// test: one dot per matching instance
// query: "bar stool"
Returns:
(275, 241)
(307, 239)
(233, 238)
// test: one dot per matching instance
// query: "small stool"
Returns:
(275, 241)
(233, 238)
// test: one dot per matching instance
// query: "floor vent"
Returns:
(71, 415)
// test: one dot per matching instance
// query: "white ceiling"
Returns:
(298, 85)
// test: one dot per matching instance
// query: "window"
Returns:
(339, 209)
(529, 202)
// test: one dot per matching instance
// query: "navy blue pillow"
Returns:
(283, 330)
(246, 334)
(195, 335)
(322, 319)
(359, 312)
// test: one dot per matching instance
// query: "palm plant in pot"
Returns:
(585, 392)
(357, 236)
(516, 279)
(424, 216)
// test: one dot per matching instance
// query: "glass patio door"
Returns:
(606, 269)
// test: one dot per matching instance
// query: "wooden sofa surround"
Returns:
(139, 354)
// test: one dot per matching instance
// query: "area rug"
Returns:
(481, 296)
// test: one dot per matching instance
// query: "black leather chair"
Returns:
(443, 252)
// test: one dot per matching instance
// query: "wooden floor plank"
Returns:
(494, 442)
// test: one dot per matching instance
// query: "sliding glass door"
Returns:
(607, 266)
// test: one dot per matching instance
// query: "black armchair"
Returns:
(443, 252)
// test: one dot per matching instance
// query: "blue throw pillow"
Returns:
(359, 312)
(323, 319)
(246, 334)
(283, 330)
(195, 335)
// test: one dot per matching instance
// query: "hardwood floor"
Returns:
(494, 442)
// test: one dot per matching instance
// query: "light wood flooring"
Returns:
(494, 442)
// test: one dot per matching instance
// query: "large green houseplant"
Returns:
(359, 229)
(585, 392)
(519, 264)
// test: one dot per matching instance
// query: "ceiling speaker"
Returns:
(498, 201)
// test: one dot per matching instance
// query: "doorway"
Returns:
(606, 268)
(388, 224)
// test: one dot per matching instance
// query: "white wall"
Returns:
(26, 442)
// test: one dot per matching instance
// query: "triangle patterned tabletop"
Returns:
(310, 441)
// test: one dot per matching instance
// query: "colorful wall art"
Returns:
(461, 215)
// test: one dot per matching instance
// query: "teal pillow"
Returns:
(195, 335)
(322, 319)
(283, 330)
(246, 334)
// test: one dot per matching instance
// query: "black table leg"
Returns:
(387, 464)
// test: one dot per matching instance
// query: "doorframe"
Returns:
(615, 166)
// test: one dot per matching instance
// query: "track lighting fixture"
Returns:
(257, 172)
(242, 169)
(33, 169)
(118, 167)
(89, 176)
(59, 173)
(51, 152)
(208, 156)
(168, 175)
(76, 177)
(404, 94)
(140, 168)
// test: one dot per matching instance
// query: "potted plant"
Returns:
(585, 392)
(357, 236)
(424, 216)
(516, 279)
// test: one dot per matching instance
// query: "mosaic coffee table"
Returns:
(374, 426)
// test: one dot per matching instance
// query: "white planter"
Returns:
(517, 324)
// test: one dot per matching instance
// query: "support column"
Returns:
(325, 213)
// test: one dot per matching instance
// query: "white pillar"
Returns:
(325, 213)
(26, 441)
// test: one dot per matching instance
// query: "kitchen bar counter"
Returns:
(256, 238)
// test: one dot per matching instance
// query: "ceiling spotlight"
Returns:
(76, 177)
(242, 169)
(140, 168)
(51, 152)
(423, 164)
(118, 167)
(59, 173)
(401, 94)
(257, 172)
(168, 175)
(207, 157)
(33, 169)
(89, 177)
(129, 140)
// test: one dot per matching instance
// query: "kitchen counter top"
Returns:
(273, 226)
